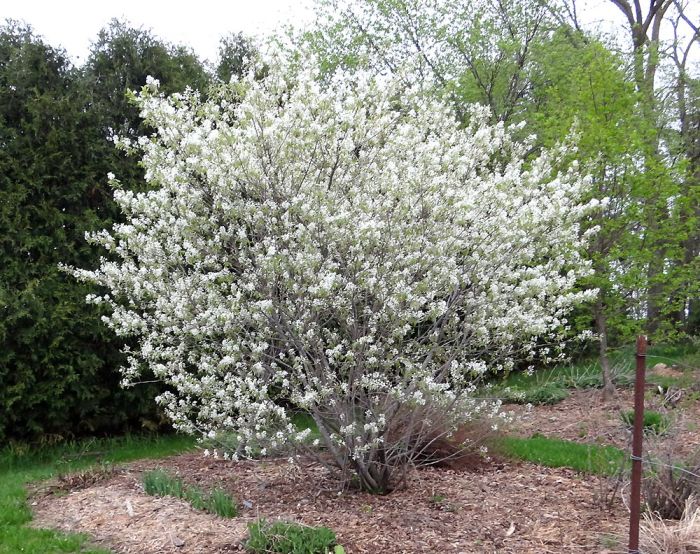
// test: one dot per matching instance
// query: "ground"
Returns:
(504, 506)
(582, 417)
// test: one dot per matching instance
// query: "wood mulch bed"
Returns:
(502, 507)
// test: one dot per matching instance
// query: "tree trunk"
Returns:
(644, 26)
(655, 288)
(602, 330)
(691, 134)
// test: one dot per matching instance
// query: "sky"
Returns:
(73, 24)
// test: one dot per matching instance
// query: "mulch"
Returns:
(502, 507)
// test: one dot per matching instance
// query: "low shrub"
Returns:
(669, 487)
(290, 538)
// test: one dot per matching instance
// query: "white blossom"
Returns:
(349, 248)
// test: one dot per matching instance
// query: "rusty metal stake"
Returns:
(635, 494)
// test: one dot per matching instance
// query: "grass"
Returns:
(21, 464)
(586, 458)
(290, 538)
(303, 421)
(653, 422)
(160, 483)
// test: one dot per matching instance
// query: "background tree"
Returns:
(236, 55)
(658, 61)
(644, 25)
(685, 84)
(578, 82)
(56, 361)
(474, 51)
(120, 60)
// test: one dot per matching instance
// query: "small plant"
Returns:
(290, 538)
(160, 483)
(440, 502)
(195, 497)
(654, 422)
(587, 377)
(585, 381)
(622, 373)
(220, 503)
(608, 541)
(610, 486)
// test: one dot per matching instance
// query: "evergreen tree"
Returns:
(58, 363)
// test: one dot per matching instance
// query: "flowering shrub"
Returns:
(348, 249)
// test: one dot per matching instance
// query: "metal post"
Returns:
(635, 494)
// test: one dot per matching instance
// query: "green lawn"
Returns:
(586, 458)
(20, 465)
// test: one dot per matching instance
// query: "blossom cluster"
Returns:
(346, 248)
